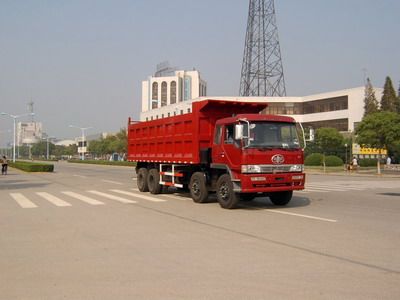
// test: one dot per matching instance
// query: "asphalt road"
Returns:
(85, 232)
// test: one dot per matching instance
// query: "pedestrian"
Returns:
(354, 163)
(388, 160)
(4, 165)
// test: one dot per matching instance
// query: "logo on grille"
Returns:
(277, 159)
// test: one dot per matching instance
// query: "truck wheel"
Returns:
(281, 198)
(226, 197)
(153, 180)
(247, 197)
(198, 188)
(142, 175)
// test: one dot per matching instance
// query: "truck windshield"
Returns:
(273, 135)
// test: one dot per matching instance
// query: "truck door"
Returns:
(226, 150)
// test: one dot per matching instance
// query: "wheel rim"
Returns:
(196, 188)
(224, 191)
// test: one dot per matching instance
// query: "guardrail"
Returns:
(392, 167)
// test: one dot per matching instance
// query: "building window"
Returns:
(187, 92)
(154, 95)
(163, 93)
(173, 92)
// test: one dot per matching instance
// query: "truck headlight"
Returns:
(296, 168)
(251, 169)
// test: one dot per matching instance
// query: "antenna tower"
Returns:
(262, 71)
(30, 109)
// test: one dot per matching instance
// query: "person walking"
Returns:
(354, 163)
(4, 165)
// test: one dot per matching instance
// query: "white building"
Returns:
(342, 109)
(162, 91)
(29, 133)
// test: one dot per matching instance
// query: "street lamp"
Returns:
(83, 138)
(47, 147)
(15, 117)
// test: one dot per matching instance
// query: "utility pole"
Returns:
(262, 71)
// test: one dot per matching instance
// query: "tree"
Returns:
(398, 100)
(389, 99)
(370, 102)
(328, 140)
(379, 130)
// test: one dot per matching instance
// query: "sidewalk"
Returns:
(369, 172)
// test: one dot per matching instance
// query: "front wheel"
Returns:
(281, 198)
(226, 197)
(198, 187)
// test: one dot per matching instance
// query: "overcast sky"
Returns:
(82, 62)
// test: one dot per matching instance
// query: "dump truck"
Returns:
(222, 147)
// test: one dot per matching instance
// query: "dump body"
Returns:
(182, 138)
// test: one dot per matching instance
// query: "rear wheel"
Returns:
(153, 180)
(281, 198)
(198, 187)
(226, 197)
(142, 180)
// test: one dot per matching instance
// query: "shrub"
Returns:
(314, 159)
(333, 161)
(367, 162)
(32, 166)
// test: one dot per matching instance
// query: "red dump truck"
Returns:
(222, 147)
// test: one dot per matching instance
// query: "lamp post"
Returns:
(47, 145)
(15, 117)
(345, 155)
(83, 138)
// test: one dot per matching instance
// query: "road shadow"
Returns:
(20, 184)
(390, 194)
(264, 203)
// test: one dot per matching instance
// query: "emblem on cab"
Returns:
(277, 159)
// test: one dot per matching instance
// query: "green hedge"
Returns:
(367, 162)
(32, 166)
(104, 162)
(314, 159)
(333, 161)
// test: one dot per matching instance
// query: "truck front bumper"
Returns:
(263, 183)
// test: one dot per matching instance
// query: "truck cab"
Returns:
(262, 155)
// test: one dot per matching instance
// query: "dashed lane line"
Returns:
(83, 198)
(23, 201)
(112, 197)
(300, 215)
(53, 199)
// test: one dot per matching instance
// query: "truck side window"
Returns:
(228, 134)
(217, 135)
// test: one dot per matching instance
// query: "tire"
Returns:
(247, 197)
(153, 180)
(142, 175)
(198, 187)
(281, 198)
(226, 197)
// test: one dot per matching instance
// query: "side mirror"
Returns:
(239, 131)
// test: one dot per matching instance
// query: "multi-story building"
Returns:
(29, 133)
(342, 109)
(181, 86)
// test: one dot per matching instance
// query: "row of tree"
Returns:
(104, 147)
(380, 126)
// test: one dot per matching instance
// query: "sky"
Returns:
(82, 62)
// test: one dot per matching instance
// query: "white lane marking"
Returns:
(134, 178)
(334, 187)
(53, 199)
(22, 200)
(81, 176)
(300, 215)
(83, 198)
(113, 182)
(153, 199)
(311, 190)
(112, 197)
